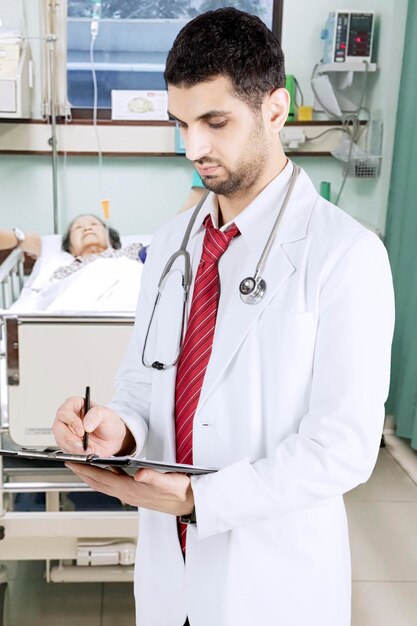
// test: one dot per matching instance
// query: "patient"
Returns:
(90, 271)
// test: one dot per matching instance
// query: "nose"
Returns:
(197, 145)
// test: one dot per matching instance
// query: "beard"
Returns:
(248, 168)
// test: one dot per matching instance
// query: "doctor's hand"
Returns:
(168, 493)
(108, 433)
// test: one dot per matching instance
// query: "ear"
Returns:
(278, 106)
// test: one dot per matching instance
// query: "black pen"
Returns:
(86, 409)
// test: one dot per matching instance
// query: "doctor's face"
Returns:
(224, 138)
(88, 236)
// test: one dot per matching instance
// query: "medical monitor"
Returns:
(348, 37)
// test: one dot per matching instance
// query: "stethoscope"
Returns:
(251, 289)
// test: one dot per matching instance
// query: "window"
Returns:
(133, 40)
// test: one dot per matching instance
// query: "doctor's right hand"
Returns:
(108, 434)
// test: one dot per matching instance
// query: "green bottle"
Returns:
(325, 190)
(290, 86)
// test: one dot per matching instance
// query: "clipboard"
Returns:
(128, 464)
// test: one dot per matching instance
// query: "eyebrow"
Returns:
(204, 116)
(94, 220)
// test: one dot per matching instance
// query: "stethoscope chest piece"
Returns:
(252, 290)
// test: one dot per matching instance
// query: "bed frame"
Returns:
(11, 278)
(43, 360)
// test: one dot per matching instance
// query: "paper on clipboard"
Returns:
(128, 464)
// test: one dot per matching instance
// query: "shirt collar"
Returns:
(261, 211)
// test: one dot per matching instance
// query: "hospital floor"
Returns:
(383, 530)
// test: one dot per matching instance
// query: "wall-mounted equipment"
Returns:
(348, 37)
(292, 137)
(365, 161)
(15, 78)
(329, 83)
(347, 50)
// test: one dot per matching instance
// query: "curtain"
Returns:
(401, 241)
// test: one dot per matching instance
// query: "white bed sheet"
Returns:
(105, 285)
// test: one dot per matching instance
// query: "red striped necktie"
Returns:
(198, 341)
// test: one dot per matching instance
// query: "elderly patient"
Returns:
(91, 271)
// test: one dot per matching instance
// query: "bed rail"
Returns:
(11, 278)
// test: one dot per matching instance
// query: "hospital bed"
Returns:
(44, 359)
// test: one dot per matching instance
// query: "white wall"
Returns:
(144, 191)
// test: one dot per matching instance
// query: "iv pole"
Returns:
(51, 38)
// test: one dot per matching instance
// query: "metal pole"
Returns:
(53, 140)
(51, 39)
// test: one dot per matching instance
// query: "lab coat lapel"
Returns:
(235, 318)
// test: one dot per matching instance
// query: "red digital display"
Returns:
(360, 35)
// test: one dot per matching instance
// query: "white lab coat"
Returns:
(291, 408)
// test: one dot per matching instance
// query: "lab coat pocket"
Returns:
(287, 339)
(285, 326)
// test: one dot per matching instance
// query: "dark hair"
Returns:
(228, 42)
(114, 236)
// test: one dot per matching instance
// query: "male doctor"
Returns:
(285, 396)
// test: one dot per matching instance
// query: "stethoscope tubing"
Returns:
(253, 297)
(265, 252)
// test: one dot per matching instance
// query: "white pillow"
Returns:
(52, 256)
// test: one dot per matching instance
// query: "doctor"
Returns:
(286, 396)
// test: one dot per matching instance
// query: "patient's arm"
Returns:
(31, 245)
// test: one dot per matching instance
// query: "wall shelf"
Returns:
(351, 66)
(136, 139)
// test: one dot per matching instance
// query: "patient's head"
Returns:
(88, 234)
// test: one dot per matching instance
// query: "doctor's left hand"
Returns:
(168, 493)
